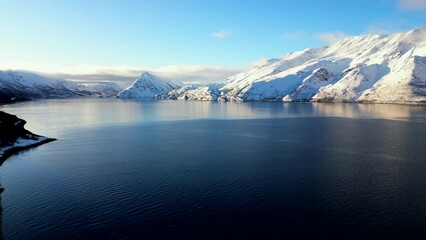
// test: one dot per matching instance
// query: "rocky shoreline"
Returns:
(14, 137)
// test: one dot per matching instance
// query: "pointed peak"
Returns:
(146, 74)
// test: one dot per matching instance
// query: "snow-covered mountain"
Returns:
(181, 93)
(21, 85)
(149, 86)
(103, 89)
(371, 68)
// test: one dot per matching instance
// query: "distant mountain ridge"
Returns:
(370, 68)
(22, 85)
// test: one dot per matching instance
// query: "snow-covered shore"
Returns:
(14, 137)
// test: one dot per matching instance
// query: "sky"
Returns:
(188, 40)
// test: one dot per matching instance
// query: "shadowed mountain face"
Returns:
(10, 97)
(14, 137)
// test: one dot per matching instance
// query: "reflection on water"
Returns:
(58, 115)
(381, 111)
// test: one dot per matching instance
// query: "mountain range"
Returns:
(370, 68)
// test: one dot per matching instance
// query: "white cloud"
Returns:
(412, 4)
(125, 75)
(196, 73)
(330, 37)
(293, 36)
(387, 27)
(258, 62)
(380, 29)
(222, 34)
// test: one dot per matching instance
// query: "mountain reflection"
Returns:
(381, 111)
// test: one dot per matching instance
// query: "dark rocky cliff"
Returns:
(14, 137)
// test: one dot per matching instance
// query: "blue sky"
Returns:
(186, 39)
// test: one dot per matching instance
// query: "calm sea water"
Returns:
(201, 170)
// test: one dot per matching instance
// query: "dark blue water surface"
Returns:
(201, 170)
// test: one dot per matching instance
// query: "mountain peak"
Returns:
(148, 86)
(146, 74)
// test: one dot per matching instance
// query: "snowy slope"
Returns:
(103, 89)
(371, 68)
(182, 92)
(20, 85)
(149, 86)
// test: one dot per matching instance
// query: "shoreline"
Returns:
(15, 138)
(5, 154)
(414, 103)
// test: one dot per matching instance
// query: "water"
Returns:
(201, 170)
